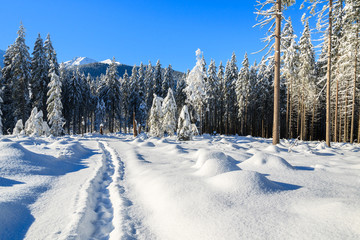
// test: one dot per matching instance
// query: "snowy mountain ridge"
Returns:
(76, 61)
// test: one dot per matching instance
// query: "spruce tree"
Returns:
(169, 113)
(39, 76)
(21, 77)
(54, 106)
(168, 81)
(155, 118)
(157, 79)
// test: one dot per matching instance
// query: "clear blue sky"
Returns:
(135, 31)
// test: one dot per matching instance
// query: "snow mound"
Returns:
(266, 161)
(216, 166)
(147, 144)
(211, 163)
(243, 182)
(321, 146)
(204, 154)
(273, 149)
(16, 159)
(138, 140)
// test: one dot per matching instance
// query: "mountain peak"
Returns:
(76, 61)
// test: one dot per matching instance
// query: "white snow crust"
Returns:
(212, 187)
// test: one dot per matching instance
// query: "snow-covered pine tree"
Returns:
(54, 106)
(149, 86)
(221, 99)
(195, 87)
(308, 96)
(142, 109)
(125, 101)
(168, 81)
(100, 113)
(7, 85)
(169, 113)
(242, 90)
(75, 100)
(155, 118)
(180, 95)
(157, 79)
(51, 57)
(21, 76)
(212, 97)
(111, 93)
(39, 76)
(134, 94)
(290, 61)
(184, 132)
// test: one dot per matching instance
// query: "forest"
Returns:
(225, 98)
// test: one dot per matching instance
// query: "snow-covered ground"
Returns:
(214, 187)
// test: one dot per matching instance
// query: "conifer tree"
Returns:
(184, 132)
(157, 79)
(54, 106)
(7, 85)
(195, 87)
(168, 81)
(39, 76)
(242, 90)
(21, 76)
(169, 113)
(111, 93)
(51, 57)
(155, 118)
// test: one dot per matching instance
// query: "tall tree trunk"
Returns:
(346, 114)
(312, 122)
(287, 112)
(290, 114)
(354, 92)
(328, 117)
(336, 127)
(276, 120)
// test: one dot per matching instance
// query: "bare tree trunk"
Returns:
(336, 110)
(312, 122)
(346, 114)
(290, 114)
(134, 124)
(354, 95)
(328, 117)
(276, 120)
(287, 112)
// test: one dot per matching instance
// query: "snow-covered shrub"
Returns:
(45, 129)
(34, 125)
(169, 111)
(19, 128)
(155, 119)
(194, 130)
(184, 125)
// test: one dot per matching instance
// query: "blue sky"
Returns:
(138, 31)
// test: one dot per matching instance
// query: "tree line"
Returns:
(225, 98)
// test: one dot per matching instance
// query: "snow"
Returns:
(212, 187)
(109, 61)
(77, 61)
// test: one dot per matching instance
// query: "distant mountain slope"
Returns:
(2, 52)
(96, 69)
(77, 61)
